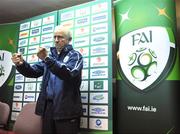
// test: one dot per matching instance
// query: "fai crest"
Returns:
(146, 56)
(5, 66)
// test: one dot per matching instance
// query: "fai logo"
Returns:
(5, 66)
(146, 56)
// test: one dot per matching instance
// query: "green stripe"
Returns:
(175, 73)
(171, 35)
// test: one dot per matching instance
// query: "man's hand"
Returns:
(17, 59)
(42, 53)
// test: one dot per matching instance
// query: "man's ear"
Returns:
(70, 38)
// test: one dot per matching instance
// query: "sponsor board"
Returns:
(69, 24)
(82, 21)
(79, 42)
(47, 38)
(84, 97)
(47, 29)
(19, 78)
(35, 31)
(93, 79)
(99, 39)
(16, 106)
(24, 26)
(34, 40)
(23, 42)
(30, 87)
(99, 28)
(99, 85)
(23, 34)
(36, 23)
(29, 97)
(33, 49)
(17, 96)
(99, 61)
(100, 7)
(82, 12)
(48, 20)
(18, 87)
(99, 73)
(99, 98)
(82, 31)
(84, 51)
(98, 123)
(32, 58)
(67, 15)
(22, 50)
(97, 18)
(99, 50)
(98, 110)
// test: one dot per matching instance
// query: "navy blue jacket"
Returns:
(66, 68)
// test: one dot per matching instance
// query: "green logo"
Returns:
(146, 56)
(98, 85)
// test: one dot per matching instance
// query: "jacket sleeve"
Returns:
(33, 71)
(66, 70)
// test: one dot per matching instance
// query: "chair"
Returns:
(4, 115)
(27, 121)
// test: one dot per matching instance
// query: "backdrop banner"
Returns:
(91, 28)
(8, 41)
(147, 66)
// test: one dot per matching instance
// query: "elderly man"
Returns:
(59, 101)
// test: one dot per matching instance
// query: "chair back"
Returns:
(4, 114)
(27, 121)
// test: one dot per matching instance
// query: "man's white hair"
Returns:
(66, 32)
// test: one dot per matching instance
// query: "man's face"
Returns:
(60, 40)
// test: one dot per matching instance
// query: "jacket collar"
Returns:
(66, 49)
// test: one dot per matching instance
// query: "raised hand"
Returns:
(42, 53)
(17, 59)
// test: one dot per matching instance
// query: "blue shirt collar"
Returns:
(66, 49)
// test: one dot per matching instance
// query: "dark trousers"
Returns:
(61, 126)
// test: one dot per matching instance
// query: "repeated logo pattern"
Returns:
(90, 25)
(91, 32)
(33, 33)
